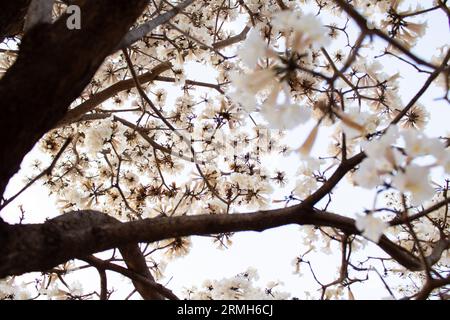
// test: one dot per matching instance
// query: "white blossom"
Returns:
(305, 186)
(371, 227)
(253, 48)
(96, 136)
(417, 144)
(285, 116)
(414, 180)
(367, 175)
(308, 29)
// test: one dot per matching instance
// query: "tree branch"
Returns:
(135, 277)
(232, 40)
(53, 67)
(142, 30)
(39, 11)
(37, 247)
(12, 17)
(422, 90)
(76, 113)
(362, 23)
(340, 172)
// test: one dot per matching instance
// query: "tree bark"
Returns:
(12, 17)
(53, 67)
(38, 247)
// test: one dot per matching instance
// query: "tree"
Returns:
(97, 100)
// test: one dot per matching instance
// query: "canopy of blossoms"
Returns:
(313, 84)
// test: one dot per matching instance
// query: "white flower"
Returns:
(7, 287)
(309, 165)
(130, 179)
(285, 116)
(414, 180)
(245, 99)
(356, 123)
(216, 206)
(372, 228)
(252, 49)
(260, 195)
(370, 7)
(444, 78)
(377, 148)
(416, 144)
(367, 175)
(73, 197)
(253, 82)
(247, 85)
(76, 288)
(416, 118)
(286, 19)
(242, 180)
(251, 274)
(96, 136)
(308, 29)
(94, 141)
(305, 186)
(22, 294)
(380, 152)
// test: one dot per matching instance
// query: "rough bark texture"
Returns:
(54, 66)
(12, 17)
(51, 240)
(37, 247)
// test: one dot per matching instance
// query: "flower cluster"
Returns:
(400, 166)
(256, 105)
(240, 287)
